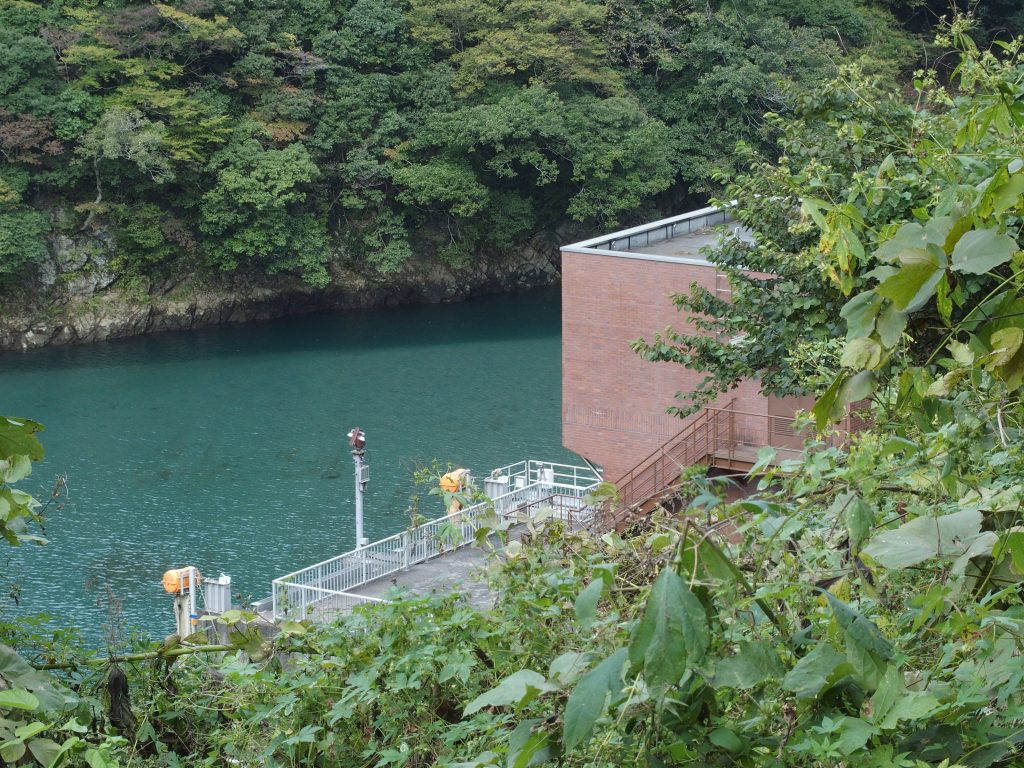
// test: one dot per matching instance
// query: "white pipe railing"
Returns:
(560, 476)
(325, 588)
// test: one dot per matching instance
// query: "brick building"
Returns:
(615, 288)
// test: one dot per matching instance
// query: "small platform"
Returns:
(459, 570)
(437, 556)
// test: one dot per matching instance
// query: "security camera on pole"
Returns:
(357, 441)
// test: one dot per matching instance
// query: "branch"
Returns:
(162, 653)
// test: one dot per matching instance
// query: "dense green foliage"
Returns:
(863, 608)
(19, 447)
(212, 134)
(862, 174)
(995, 19)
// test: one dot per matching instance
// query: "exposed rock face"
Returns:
(74, 297)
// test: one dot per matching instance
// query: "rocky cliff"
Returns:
(75, 296)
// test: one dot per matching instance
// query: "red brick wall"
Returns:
(613, 401)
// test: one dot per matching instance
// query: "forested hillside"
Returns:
(278, 136)
(862, 608)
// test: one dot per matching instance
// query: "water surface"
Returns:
(225, 448)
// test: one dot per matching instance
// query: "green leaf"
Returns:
(1012, 374)
(605, 572)
(586, 603)
(861, 354)
(1012, 544)
(727, 740)
(528, 745)
(816, 672)
(587, 701)
(911, 287)
(828, 407)
(18, 698)
(982, 546)
(891, 324)
(942, 386)
(889, 690)
(293, 628)
(15, 468)
(925, 537)
(567, 667)
(980, 250)
(935, 744)
(853, 734)
(12, 751)
(17, 437)
(714, 563)
(961, 353)
(47, 752)
(1005, 343)
(29, 730)
(868, 668)
(657, 542)
(755, 663)
(843, 390)
(97, 759)
(517, 689)
(860, 517)
(944, 299)
(306, 735)
(910, 243)
(812, 207)
(859, 629)
(899, 444)
(860, 313)
(913, 705)
(1006, 196)
(673, 632)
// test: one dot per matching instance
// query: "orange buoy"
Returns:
(177, 579)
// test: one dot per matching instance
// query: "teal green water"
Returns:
(225, 448)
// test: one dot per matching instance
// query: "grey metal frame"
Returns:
(622, 242)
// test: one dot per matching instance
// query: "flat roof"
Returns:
(676, 239)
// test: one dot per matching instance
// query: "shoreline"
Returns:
(80, 307)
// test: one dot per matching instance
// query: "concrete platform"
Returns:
(459, 571)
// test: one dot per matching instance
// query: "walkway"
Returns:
(438, 555)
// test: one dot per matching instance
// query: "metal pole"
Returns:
(193, 615)
(357, 439)
(357, 458)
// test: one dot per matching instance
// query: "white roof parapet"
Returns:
(663, 230)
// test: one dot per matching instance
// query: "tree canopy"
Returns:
(212, 134)
(884, 220)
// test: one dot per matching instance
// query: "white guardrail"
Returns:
(325, 589)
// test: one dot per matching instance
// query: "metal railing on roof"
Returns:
(660, 232)
(651, 233)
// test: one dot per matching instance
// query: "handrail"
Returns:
(337, 576)
(719, 436)
(691, 424)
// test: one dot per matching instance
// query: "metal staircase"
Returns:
(722, 438)
(695, 443)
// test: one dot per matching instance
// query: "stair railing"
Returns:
(722, 437)
(699, 437)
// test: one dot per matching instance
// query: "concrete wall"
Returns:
(613, 401)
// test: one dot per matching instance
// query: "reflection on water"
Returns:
(225, 448)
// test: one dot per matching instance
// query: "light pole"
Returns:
(357, 441)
